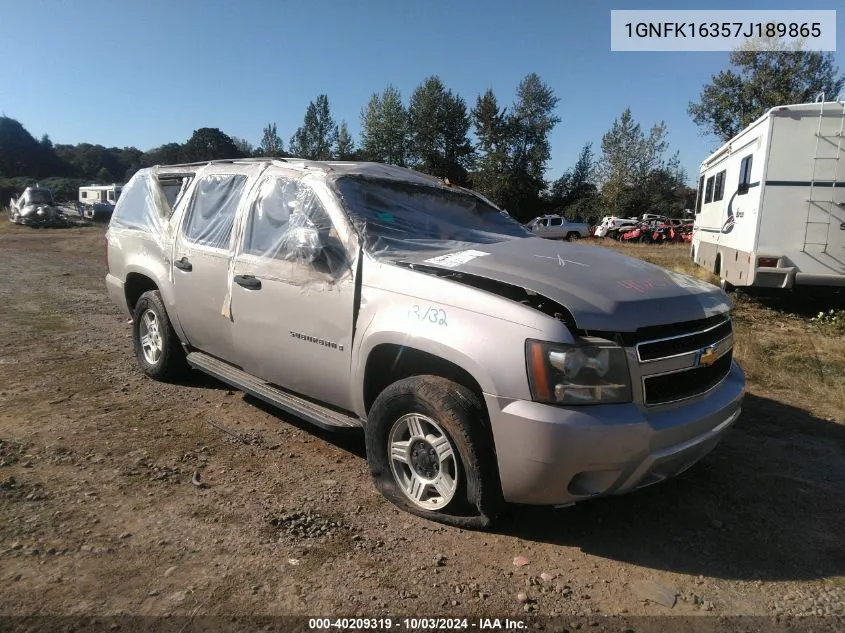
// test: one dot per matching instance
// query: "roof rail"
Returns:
(219, 161)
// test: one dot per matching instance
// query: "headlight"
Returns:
(591, 372)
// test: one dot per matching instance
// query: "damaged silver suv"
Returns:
(485, 365)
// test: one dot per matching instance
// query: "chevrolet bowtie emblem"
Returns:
(706, 356)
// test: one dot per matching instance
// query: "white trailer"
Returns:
(770, 210)
(97, 201)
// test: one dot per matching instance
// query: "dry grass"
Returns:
(785, 356)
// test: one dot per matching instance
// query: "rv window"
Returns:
(111, 196)
(84, 194)
(719, 191)
(745, 174)
(699, 195)
(708, 194)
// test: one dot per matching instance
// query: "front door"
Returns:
(201, 263)
(292, 294)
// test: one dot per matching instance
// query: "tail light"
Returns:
(767, 262)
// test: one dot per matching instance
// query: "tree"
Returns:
(491, 130)
(515, 146)
(344, 146)
(575, 193)
(167, 154)
(104, 176)
(209, 143)
(384, 128)
(438, 126)
(316, 138)
(271, 143)
(759, 80)
(634, 172)
(20, 153)
(244, 146)
(533, 120)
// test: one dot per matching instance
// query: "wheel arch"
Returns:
(389, 362)
(136, 284)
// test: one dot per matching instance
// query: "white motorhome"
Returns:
(98, 200)
(770, 210)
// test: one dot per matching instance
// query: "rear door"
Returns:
(202, 253)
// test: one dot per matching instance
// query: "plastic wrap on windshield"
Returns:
(287, 235)
(413, 222)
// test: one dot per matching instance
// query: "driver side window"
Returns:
(287, 221)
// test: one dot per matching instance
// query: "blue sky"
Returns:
(145, 73)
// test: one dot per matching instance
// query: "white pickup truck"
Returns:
(557, 227)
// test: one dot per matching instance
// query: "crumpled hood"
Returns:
(602, 289)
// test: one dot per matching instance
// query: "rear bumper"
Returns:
(114, 286)
(810, 279)
(550, 455)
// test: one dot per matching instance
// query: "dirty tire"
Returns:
(572, 236)
(477, 500)
(170, 363)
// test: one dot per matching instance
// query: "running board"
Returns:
(295, 405)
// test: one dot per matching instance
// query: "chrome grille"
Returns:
(687, 365)
(683, 343)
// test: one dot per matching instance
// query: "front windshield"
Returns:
(37, 196)
(397, 218)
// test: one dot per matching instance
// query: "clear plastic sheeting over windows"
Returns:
(213, 207)
(401, 220)
(144, 205)
(287, 222)
(288, 236)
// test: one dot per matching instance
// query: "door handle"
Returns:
(250, 282)
(184, 264)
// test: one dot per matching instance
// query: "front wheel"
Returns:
(430, 452)
(572, 236)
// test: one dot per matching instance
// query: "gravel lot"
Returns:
(99, 515)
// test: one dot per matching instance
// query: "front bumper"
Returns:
(549, 455)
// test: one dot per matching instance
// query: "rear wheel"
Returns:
(157, 348)
(430, 452)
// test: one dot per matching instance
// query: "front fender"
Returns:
(491, 350)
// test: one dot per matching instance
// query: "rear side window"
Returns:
(213, 208)
(708, 193)
(719, 190)
(556, 222)
(745, 174)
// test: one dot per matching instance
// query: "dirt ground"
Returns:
(98, 514)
